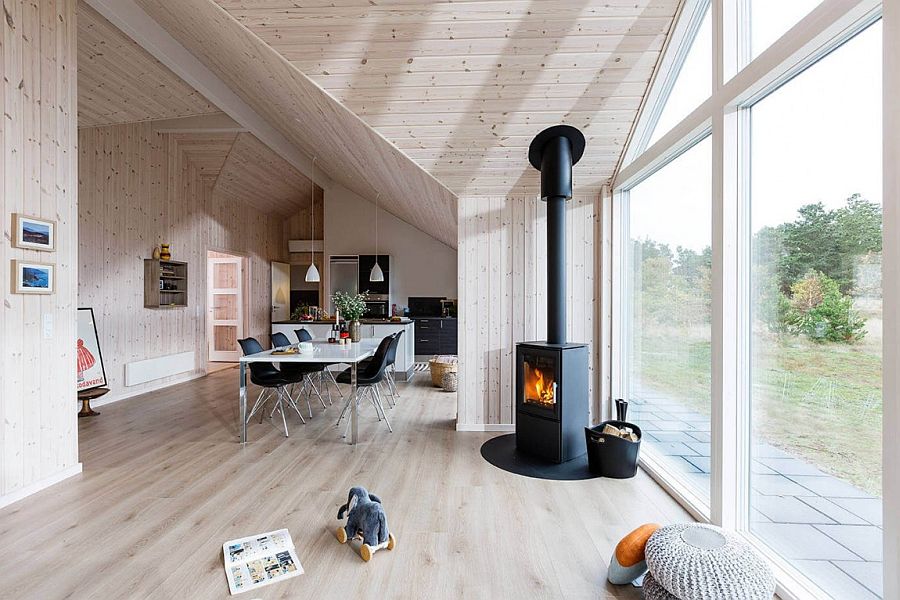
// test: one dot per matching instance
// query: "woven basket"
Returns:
(449, 381)
(440, 365)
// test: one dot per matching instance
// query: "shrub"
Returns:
(819, 310)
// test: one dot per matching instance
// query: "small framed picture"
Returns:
(32, 233)
(33, 277)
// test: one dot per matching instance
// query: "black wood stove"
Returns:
(552, 376)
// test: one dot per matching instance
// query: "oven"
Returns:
(377, 307)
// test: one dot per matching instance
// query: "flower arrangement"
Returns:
(351, 306)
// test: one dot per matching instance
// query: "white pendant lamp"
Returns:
(312, 273)
(377, 274)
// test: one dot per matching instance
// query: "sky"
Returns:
(817, 138)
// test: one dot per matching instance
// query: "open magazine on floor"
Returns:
(259, 560)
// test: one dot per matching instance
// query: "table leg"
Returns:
(354, 408)
(243, 378)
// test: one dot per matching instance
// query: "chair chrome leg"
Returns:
(350, 418)
(293, 404)
(372, 389)
(314, 389)
(257, 404)
(389, 394)
(335, 383)
(343, 411)
(393, 382)
(378, 400)
(281, 392)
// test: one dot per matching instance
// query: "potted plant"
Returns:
(352, 307)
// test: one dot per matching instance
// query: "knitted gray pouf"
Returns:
(654, 591)
(703, 562)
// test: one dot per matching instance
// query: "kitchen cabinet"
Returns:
(378, 288)
(436, 336)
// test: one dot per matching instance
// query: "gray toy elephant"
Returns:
(365, 518)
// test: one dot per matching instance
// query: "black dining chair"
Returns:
(391, 371)
(326, 376)
(297, 372)
(266, 376)
(392, 393)
(367, 380)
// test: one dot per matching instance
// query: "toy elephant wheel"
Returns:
(341, 535)
(392, 541)
(365, 552)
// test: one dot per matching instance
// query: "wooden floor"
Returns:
(165, 483)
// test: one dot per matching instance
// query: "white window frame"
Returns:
(737, 85)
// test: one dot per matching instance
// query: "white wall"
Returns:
(420, 265)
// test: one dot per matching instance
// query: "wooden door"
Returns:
(226, 308)
(281, 291)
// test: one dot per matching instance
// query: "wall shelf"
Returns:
(169, 273)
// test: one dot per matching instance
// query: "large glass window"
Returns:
(816, 319)
(693, 83)
(669, 307)
(770, 19)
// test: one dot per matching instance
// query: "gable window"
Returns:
(816, 313)
(669, 326)
(747, 285)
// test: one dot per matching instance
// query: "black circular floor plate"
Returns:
(501, 452)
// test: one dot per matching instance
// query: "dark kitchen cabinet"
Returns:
(378, 288)
(436, 336)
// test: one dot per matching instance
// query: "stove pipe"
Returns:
(553, 152)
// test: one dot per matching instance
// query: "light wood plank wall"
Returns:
(140, 188)
(38, 431)
(502, 296)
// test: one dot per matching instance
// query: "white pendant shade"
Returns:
(312, 273)
(377, 274)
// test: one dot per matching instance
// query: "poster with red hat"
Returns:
(89, 361)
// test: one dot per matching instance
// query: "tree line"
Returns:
(805, 273)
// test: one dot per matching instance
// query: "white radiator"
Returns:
(143, 371)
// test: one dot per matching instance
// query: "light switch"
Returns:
(47, 325)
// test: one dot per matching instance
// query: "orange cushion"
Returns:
(630, 551)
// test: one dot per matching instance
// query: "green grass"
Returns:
(821, 402)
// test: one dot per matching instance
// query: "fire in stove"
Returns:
(540, 388)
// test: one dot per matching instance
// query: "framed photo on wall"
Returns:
(33, 277)
(32, 233)
(89, 360)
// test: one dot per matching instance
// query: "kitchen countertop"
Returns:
(435, 318)
(403, 321)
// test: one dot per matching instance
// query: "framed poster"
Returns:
(89, 361)
(33, 233)
(33, 277)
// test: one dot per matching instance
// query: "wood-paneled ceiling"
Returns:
(240, 167)
(350, 152)
(462, 87)
(254, 173)
(120, 82)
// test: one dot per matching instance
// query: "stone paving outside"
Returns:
(829, 529)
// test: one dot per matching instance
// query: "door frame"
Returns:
(245, 293)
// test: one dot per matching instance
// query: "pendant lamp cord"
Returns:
(312, 213)
(377, 196)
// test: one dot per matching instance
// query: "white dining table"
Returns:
(323, 352)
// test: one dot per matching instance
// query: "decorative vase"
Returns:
(164, 253)
(156, 253)
(354, 331)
